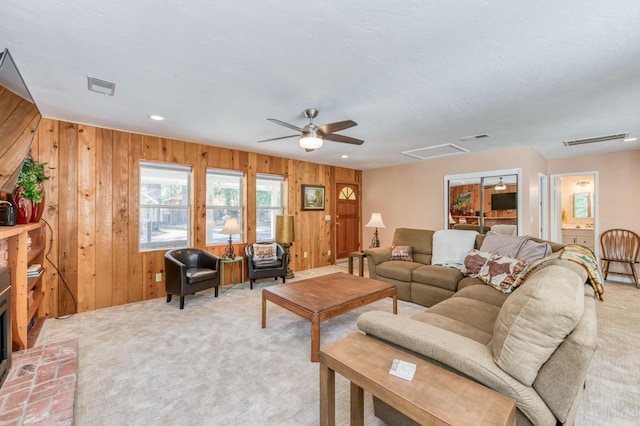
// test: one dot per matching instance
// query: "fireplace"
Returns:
(5, 323)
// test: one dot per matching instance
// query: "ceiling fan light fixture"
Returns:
(500, 186)
(311, 140)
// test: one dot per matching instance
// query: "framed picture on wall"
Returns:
(312, 197)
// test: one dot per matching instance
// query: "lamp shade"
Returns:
(375, 221)
(451, 221)
(231, 227)
(285, 229)
(311, 141)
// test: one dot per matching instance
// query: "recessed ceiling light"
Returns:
(630, 139)
(344, 156)
(156, 117)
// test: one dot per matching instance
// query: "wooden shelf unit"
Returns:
(20, 258)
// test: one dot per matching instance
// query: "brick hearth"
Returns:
(41, 386)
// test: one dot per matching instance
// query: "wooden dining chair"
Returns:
(622, 246)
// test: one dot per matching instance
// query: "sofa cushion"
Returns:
(473, 312)
(437, 276)
(474, 261)
(503, 244)
(502, 272)
(262, 251)
(419, 239)
(532, 251)
(455, 326)
(450, 246)
(402, 253)
(534, 320)
(481, 292)
(397, 269)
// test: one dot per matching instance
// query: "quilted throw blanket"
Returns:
(575, 253)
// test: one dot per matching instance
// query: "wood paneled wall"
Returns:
(92, 205)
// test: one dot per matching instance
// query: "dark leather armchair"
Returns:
(190, 270)
(266, 268)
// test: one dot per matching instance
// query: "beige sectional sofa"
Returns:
(419, 281)
(534, 344)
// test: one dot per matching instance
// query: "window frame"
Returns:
(210, 229)
(188, 207)
(279, 210)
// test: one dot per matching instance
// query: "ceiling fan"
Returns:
(312, 136)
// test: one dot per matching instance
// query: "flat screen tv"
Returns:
(504, 201)
(19, 119)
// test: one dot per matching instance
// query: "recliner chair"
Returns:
(266, 268)
(190, 270)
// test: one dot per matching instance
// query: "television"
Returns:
(19, 119)
(504, 201)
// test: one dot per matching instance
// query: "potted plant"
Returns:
(29, 193)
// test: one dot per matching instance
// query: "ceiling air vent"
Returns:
(443, 150)
(594, 140)
(101, 86)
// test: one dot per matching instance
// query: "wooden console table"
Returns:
(435, 396)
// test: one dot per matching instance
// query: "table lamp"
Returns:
(230, 227)
(375, 222)
(285, 235)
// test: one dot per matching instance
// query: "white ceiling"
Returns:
(412, 74)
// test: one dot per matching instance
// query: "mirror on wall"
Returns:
(482, 200)
(583, 204)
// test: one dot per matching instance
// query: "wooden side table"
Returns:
(435, 396)
(223, 262)
(360, 256)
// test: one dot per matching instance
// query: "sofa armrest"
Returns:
(457, 353)
(378, 255)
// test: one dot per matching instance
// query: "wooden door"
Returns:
(347, 219)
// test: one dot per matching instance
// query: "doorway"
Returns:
(574, 209)
(483, 199)
(543, 207)
(347, 219)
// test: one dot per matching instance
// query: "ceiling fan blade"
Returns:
(277, 139)
(337, 126)
(343, 139)
(282, 123)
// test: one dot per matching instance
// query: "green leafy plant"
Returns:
(32, 174)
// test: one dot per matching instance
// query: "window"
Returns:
(165, 194)
(268, 205)
(224, 200)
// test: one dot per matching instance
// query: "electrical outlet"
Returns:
(328, 252)
(304, 255)
(158, 277)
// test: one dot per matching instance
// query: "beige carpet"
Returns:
(212, 364)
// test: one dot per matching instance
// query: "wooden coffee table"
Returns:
(321, 298)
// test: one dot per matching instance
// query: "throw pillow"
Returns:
(532, 251)
(534, 321)
(507, 245)
(501, 272)
(474, 261)
(402, 253)
(265, 251)
(450, 246)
